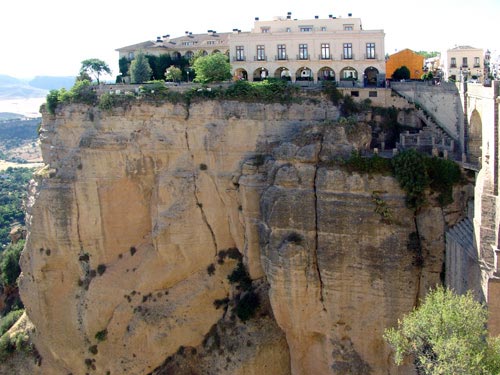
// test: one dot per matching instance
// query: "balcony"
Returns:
(303, 57)
(239, 58)
(371, 56)
(453, 65)
(477, 66)
(281, 58)
(347, 56)
(260, 58)
(325, 57)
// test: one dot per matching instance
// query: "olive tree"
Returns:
(95, 68)
(446, 335)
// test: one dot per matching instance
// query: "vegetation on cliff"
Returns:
(415, 172)
(446, 335)
(13, 191)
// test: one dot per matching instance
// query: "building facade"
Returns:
(412, 60)
(464, 63)
(332, 49)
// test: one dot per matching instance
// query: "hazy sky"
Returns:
(52, 37)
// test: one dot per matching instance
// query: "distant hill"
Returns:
(15, 88)
(51, 83)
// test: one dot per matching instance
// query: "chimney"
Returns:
(316, 17)
(330, 16)
(158, 39)
(256, 18)
(289, 15)
(349, 14)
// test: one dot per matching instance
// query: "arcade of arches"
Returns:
(306, 74)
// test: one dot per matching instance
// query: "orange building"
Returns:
(413, 61)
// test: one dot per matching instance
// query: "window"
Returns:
(303, 55)
(464, 62)
(288, 30)
(370, 50)
(281, 52)
(261, 53)
(265, 29)
(240, 53)
(130, 55)
(323, 28)
(347, 51)
(348, 27)
(210, 42)
(476, 62)
(453, 63)
(187, 43)
(305, 29)
(372, 94)
(325, 51)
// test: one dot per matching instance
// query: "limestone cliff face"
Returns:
(122, 264)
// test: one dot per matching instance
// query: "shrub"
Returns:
(411, 173)
(241, 277)
(247, 305)
(9, 320)
(101, 335)
(101, 268)
(443, 174)
(446, 335)
(9, 263)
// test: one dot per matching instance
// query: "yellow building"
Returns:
(413, 61)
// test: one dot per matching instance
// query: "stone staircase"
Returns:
(430, 139)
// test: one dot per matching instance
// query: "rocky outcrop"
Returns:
(127, 222)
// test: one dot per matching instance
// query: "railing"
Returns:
(260, 58)
(239, 58)
(371, 56)
(304, 57)
(348, 56)
(281, 58)
(321, 57)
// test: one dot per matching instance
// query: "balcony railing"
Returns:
(453, 65)
(281, 58)
(325, 57)
(347, 56)
(260, 58)
(239, 58)
(370, 56)
(303, 57)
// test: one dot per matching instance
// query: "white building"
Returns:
(464, 63)
(309, 50)
(336, 49)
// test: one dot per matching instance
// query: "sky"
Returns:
(53, 37)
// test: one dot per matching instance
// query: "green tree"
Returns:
(140, 71)
(446, 335)
(212, 68)
(124, 65)
(9, 263)
(173, 74)
(94, 67)
(401, 73)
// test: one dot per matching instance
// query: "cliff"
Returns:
(143, 212)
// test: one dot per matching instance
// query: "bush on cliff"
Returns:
(446, 335)
(9, 263)
(81, 92)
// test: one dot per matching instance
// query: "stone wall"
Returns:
(442, 102)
